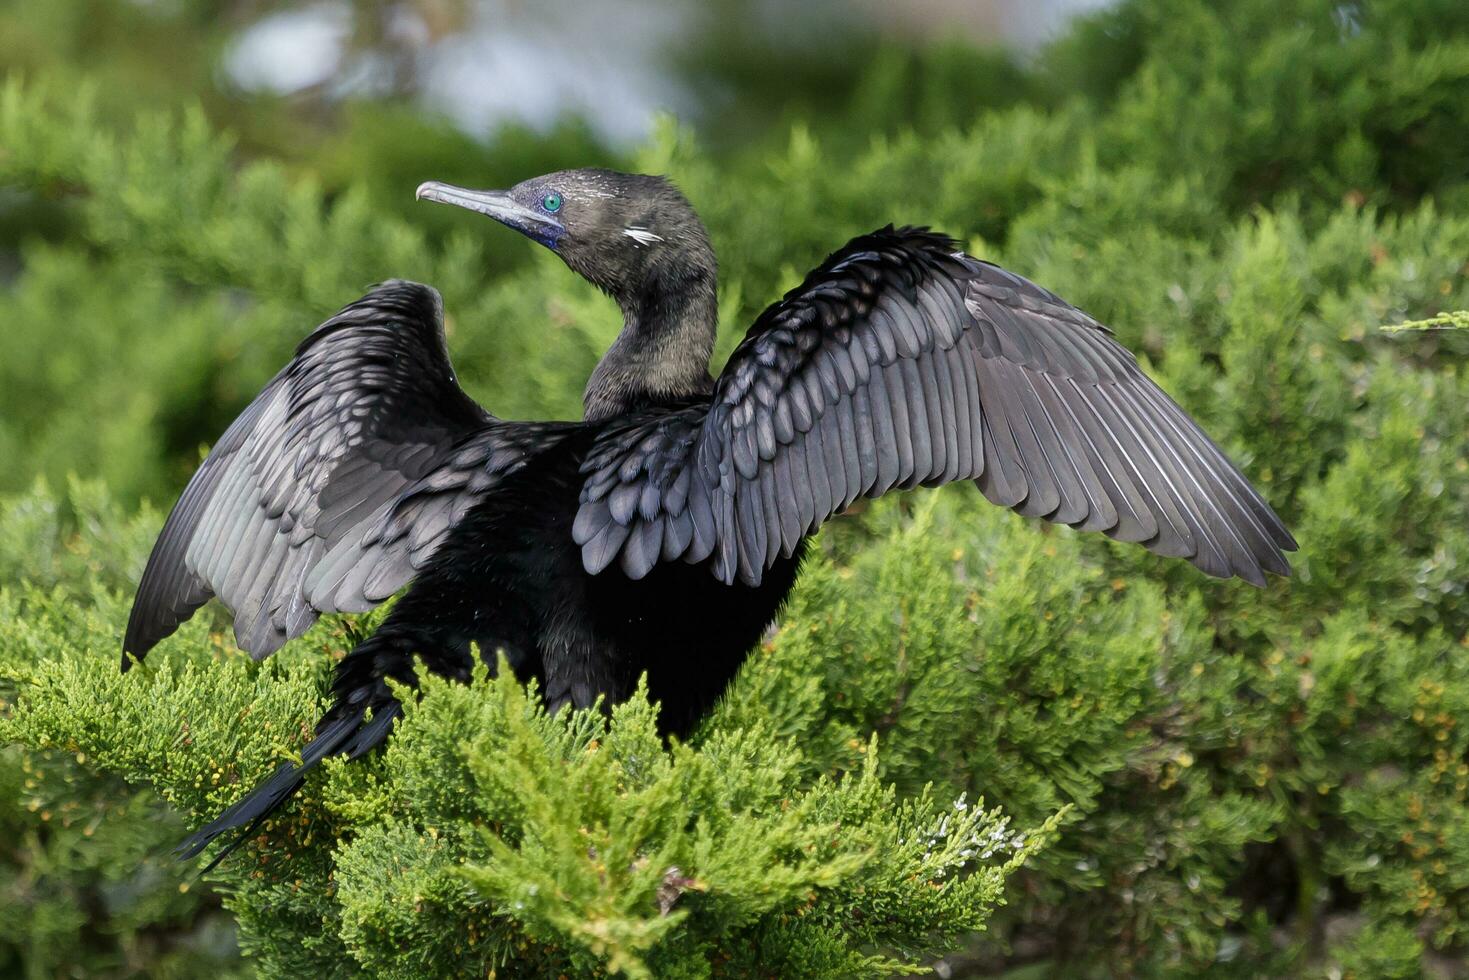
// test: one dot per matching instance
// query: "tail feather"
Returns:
(346, 735)
(373, 733)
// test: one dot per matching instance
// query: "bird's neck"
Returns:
(662, 354)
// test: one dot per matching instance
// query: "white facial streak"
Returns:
(642, 236)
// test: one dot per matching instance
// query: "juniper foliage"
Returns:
(1197, 776)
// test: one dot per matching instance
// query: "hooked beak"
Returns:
(498, 205)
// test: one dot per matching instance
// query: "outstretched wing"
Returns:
(334, 485)
(903, 362)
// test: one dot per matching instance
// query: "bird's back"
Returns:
(513, 565)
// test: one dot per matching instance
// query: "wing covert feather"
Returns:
(901, 361)
(334, 485)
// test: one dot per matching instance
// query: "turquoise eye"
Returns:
(551, 202)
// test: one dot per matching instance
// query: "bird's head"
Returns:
(620, 231)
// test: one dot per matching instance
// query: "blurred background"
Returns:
(1248, 191)
(369, 99)
(978, 112)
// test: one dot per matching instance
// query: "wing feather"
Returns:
(334, 485)
(901, 361)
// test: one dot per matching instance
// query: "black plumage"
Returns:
(662, 533)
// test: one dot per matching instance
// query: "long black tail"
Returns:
(358, 687)
(341, 732)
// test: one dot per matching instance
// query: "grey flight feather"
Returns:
(903, 362)
(334, 485)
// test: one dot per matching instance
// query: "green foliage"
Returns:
(1456, 320)
(84, 855)
(1245, 783)
(490, 833)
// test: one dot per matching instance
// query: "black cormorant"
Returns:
(662, 533)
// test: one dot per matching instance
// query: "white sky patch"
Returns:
(290, 51)
(536, 63)
(606, 62)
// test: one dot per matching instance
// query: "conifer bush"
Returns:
(969, 735)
